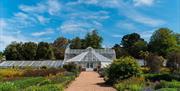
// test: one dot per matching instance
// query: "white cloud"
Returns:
(128, 10)
(126, 25)
(42, 19)
(74, 26)
(143, 2)
(51, 7)
(46, 32)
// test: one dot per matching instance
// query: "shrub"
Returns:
(155, 63)
(41, 72)
(122, 68)
(145, 69)
(8, 86)
(70, 67)
(60, 78)
(158, 77)
(174, 60)
(10, 72)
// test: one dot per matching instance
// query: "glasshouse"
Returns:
(47, 63)
(90, 58)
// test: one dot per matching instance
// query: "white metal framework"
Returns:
(90, 58)
(47, 63)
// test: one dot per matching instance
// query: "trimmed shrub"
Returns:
(122, 68)
(155, 62)
(158, 77)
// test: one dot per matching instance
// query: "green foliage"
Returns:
(11, 72)
(177, 35)
(13, 51)
(71, 67)
(44, 51)
(41, 72)
(174, 60)
(44, 88)
(123, 68)
(168, 89)
(93, 40)
(133, 43)
(120, 51)
(131, 84)
(1, 55)
(76, 43)
(59, 46)
(165, 84)
(154, 62)
(8, 86)
(28, 82)
(161, 40)
(158, 77)
(29, 50)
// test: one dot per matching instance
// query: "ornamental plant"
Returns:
(122, 68)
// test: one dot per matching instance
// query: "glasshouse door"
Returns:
(89, 66)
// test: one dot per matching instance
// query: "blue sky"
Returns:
(45, 20)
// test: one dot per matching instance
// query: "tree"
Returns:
(123, 68)
(1, 55)
(29, 50)
(44, 51)
(177, 35)
(59, 46)
(155, 62)
(133, 43)
(13, 51)
(120, 51)
(161, 40)
(174, 60)
(93, 40)
(144, 55)
(76, 43)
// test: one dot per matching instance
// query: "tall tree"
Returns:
(120, 51)
(93, 39)
(161, 40)
(133, 43)
(44, 51)
(13, 51)
(59, 46)
(76, 43)
(177, 35)
(29, 50)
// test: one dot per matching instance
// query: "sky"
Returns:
(45, 20)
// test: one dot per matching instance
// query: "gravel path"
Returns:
(89, 81)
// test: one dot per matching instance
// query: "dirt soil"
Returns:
(89, 81)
